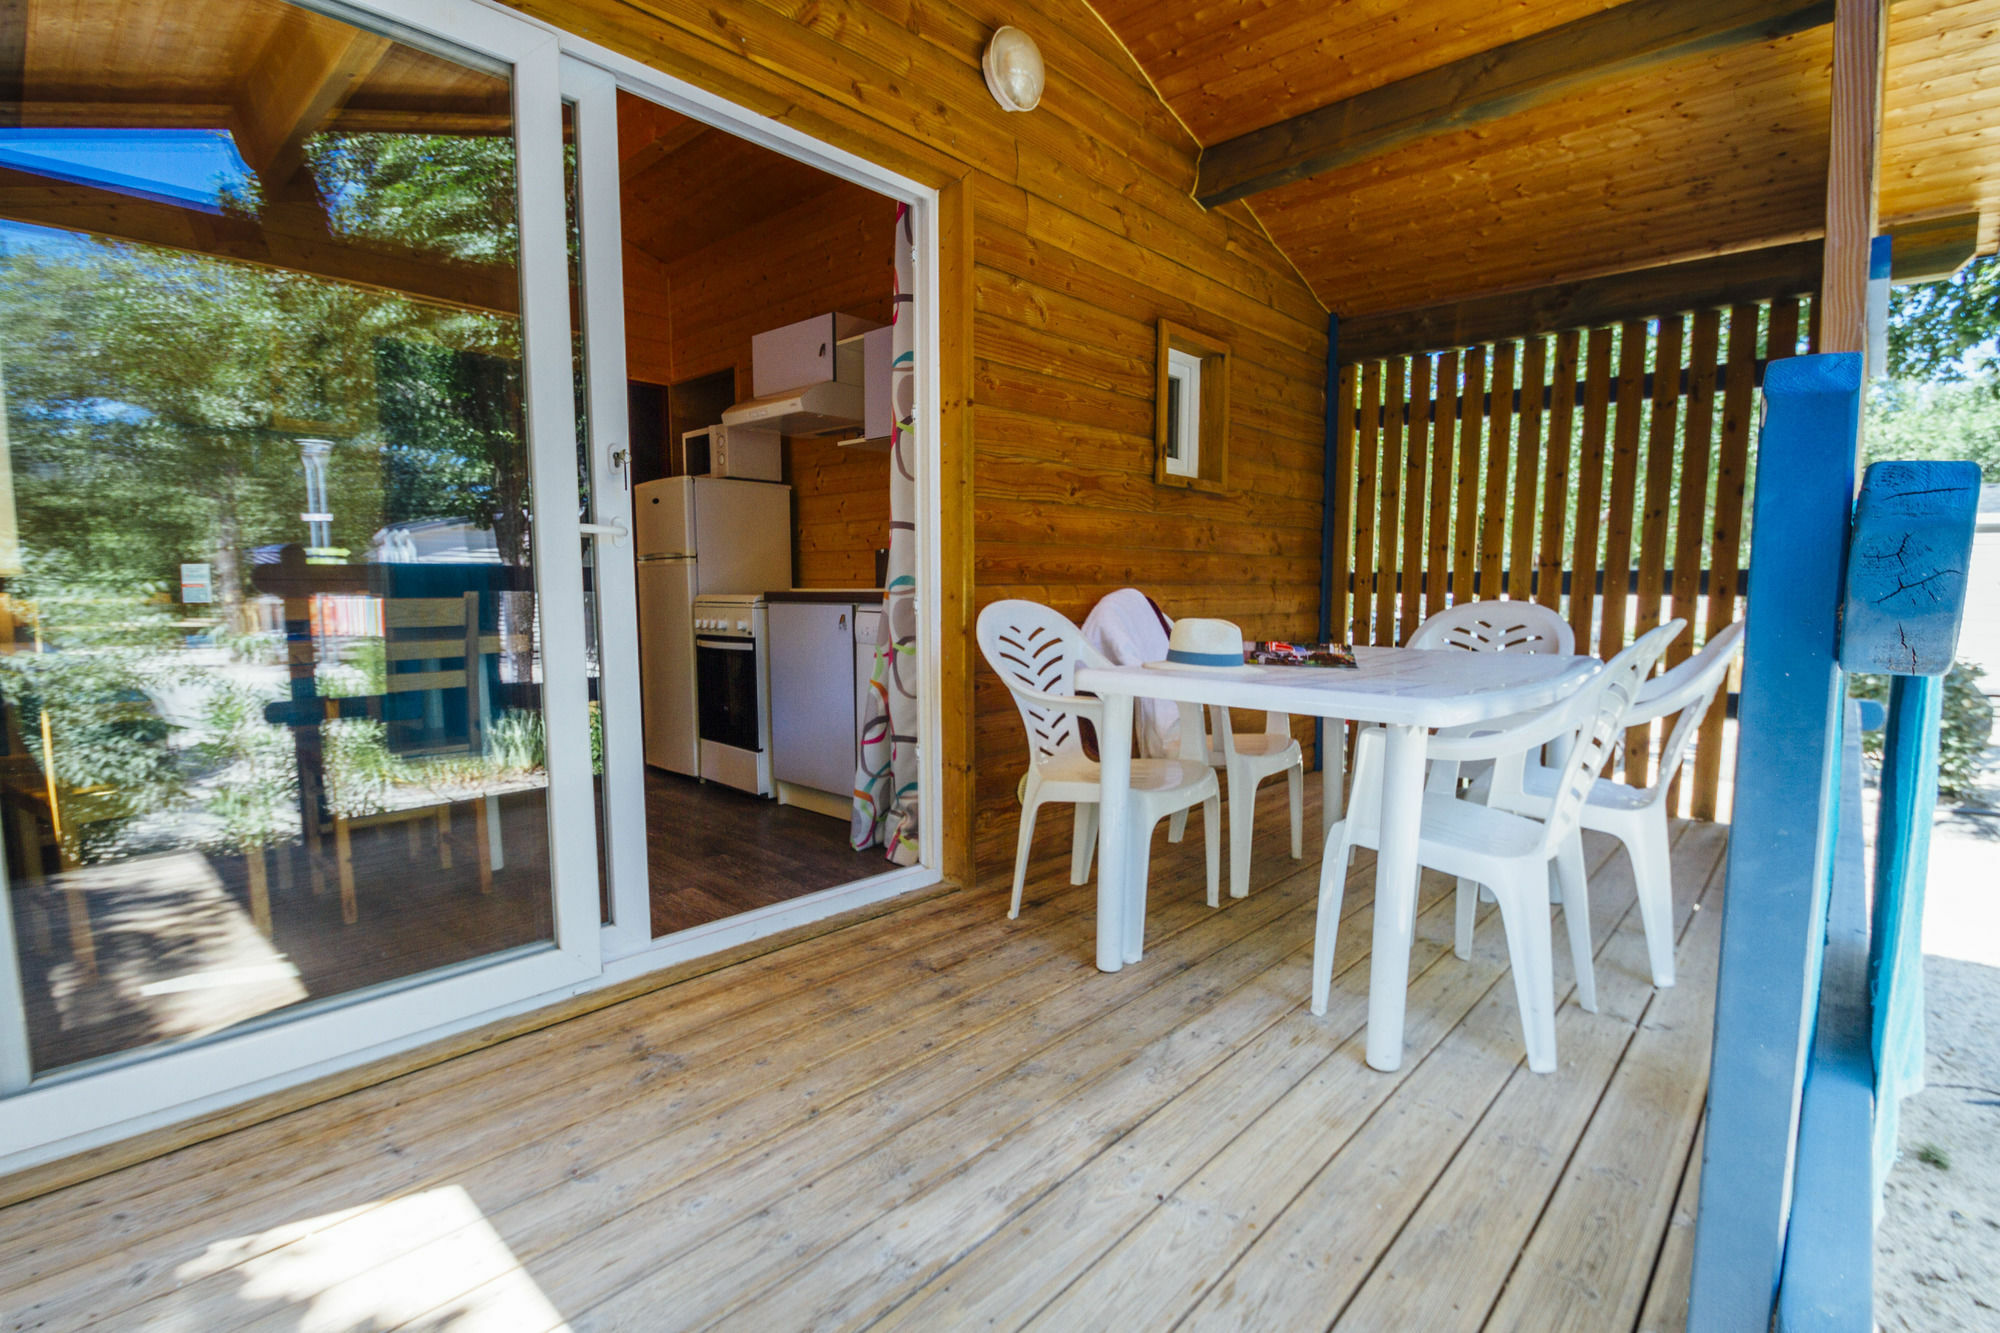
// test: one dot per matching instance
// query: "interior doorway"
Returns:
(758, 296)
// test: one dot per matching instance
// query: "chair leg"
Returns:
(1653, 874)
(260, 888)
(343, 853)
(1525, 917)
(1467, 909)
(1021, 846)
(1576, 917)
(1242, 821)
(1083, 842)
(1177, 825)
(1332, 888)
(1211, 823)
(482, 824)
(1295, 782)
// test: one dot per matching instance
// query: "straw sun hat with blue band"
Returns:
(1204, 645)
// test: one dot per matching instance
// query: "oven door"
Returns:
(726, 690)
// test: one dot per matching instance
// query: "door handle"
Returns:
(617, 532)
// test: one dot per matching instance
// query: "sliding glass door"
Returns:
(292, 696)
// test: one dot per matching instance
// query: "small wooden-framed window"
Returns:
(1191, 417)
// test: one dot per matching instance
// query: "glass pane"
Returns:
(579, 362)
(271, 675)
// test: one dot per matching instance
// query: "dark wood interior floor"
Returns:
(713, 851)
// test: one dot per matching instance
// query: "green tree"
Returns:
(1934, 325)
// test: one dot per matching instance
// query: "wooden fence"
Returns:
(1601, 472)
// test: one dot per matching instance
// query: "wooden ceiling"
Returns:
(1714, 150)
(684, 186)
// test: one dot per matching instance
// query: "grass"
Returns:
(1932, 1155)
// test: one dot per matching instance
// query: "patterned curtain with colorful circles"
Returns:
(885, 778)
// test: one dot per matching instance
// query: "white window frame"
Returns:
(73, 1111)
(1184, 381)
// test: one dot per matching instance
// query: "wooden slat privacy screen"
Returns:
(1566, 469)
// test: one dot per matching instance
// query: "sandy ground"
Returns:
(1937, 1252)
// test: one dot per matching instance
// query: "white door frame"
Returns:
(72, 1112)
(74, 1109)
(629, 948)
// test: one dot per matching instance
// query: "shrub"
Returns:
(1966, 731)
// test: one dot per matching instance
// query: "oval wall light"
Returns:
(1014, 72)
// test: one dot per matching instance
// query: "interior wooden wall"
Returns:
(694, 314)
(1083, 235)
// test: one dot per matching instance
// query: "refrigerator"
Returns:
(695, 536)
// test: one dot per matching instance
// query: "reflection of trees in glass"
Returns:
(82, 701)
(450, 195)
(155, 402)
(452, 445)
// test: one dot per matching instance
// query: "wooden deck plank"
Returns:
(1666, 1309)
(710, 1172)
(939, 984)
(1351, 1200)
(1485, 1205)
(1000, 1283)
(949, 1122)
(1591, 1255)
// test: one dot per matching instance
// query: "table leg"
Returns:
(1395, 891)
(1333, 776)
(1114, 823)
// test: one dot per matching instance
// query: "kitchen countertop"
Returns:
(825, 595)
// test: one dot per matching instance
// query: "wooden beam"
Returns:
(1934, 248)
(309, 68)
(1854, 156)
(1630, 38)
(1748, 275)
(146, 220)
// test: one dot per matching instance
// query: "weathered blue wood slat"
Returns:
(1906, 567)
(1774, 911)
(1902, 861)
(1828, 1281)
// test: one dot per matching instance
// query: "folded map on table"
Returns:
(1274, 653)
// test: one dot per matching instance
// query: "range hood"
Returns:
(827, 408)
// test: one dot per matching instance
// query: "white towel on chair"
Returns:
(1129, 628)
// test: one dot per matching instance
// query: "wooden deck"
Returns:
(933, 1118)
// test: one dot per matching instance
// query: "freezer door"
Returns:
(812, 695)
(742, 535)
(662, 517)
(666, 664)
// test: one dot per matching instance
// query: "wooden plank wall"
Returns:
(1084, 234)
(694, 314)
(1603, 467)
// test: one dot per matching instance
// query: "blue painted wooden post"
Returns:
(1780, 854)
(1828, 1283)
(1906, 586)
(1330, 460)
(1902, 861)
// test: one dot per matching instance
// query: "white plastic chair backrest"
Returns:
(1497, 627)
(1035, 651)
(1608, 698)
(1690, 688)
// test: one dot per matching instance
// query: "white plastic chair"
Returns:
(1474, 627)
(1637, 817)
(1510, 853)
(1246, 760)
(1035, 651)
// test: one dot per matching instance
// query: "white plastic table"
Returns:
(1408, 690)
